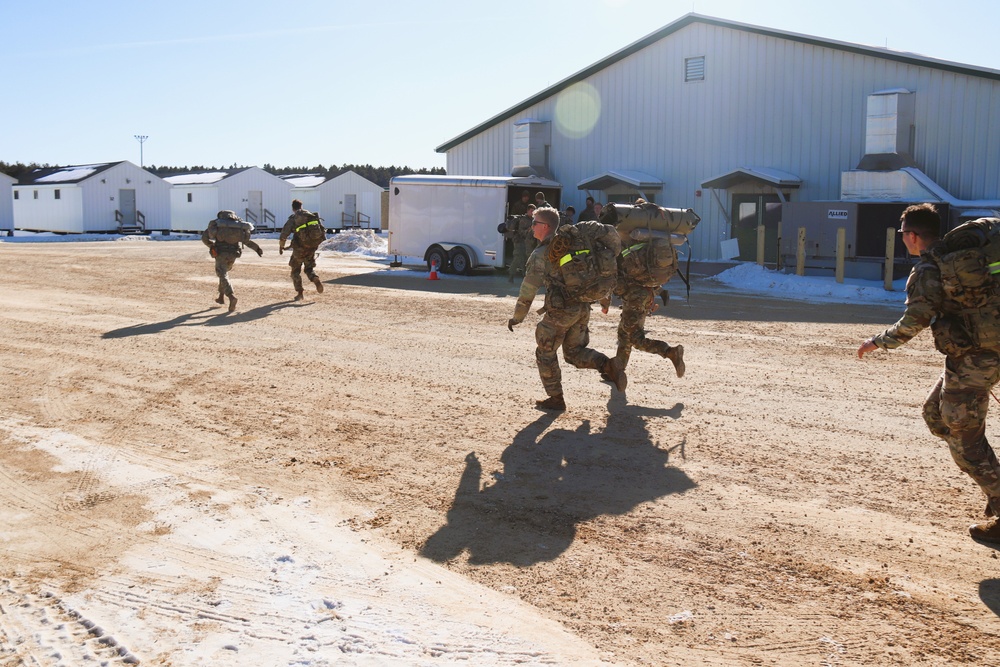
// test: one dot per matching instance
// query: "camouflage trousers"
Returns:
(637, 301)
(955, 411)
(567, 328)
(224, 262)
(302, 257)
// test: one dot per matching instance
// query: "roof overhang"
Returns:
(634, 179)
(756, 175)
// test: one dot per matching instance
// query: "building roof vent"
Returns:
(531, 148)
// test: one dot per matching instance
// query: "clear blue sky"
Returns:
(249, 82)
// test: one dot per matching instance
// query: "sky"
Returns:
(215, 83)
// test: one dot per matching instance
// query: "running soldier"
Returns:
(565, 321)
(224, 237)
(955, 409)
(307, 233)
(642, 269)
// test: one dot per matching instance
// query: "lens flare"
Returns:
(577, 110)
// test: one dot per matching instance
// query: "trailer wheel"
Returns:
(437, 255)
(460, 262)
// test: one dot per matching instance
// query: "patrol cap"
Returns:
(539, 194)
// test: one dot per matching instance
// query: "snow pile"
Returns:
(363, 242)
(755, 278)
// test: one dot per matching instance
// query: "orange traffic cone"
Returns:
(434, 272)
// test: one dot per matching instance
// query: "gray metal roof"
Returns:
(688, 19)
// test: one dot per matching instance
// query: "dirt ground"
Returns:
(782, 504)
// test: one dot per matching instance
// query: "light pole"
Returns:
(141, 138)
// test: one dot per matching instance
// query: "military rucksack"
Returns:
(969, 260)
(585, 257)
(309, 228)
(650, 235)
(229, 228)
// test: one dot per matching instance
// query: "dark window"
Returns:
(189, 196)
(35, 192)
(694, 69)
(57, 194)
(17, 194)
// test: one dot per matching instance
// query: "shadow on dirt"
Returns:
(989, 593)
(210, 317)
(552, 481)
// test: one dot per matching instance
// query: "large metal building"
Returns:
(734, 120)
(7, 204)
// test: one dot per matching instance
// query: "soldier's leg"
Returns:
(309, 265)
(577, 339)
(964, 402)
(639, 303)
(548, 337)
(223, 265)
(296, 264)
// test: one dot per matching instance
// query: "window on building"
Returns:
(189, 197)
(35, 192)
(17, 195)
(694, 69)
(57, 194)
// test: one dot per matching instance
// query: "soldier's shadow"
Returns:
(211, 317)
(553, 480)
(989, 593)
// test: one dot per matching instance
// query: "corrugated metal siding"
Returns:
(48, 213)
(766, 101)
(194, 215)
(276, 193)
(100, 197)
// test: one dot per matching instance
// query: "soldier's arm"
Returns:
(256, 248)
(534, 277)
(208, 236)
(924, 297)
(286, 230)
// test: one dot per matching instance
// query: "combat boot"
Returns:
(613, 371)
(221, 299)
(318, 283)
(298, 296)
(557, 403)
(232, 302)
(676, 355)
(988, 531)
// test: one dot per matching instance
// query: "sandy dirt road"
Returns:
(182, 478)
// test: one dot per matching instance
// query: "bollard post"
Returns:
(890, 256)
(800, 253)
(760, 245)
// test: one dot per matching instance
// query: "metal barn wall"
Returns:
(369, 198)
(277, 194)
(7, 202)
(46, 213)
(194, 215)
(766, 101)
(100, 197)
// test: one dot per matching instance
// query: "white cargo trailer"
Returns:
(452, 220)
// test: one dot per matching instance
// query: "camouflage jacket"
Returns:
(538, 271)
(300, 217)
(926, 305)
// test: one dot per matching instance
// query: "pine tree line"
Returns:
(378, 175)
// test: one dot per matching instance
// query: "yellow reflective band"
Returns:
(570, 256)
(994, 267)
(629, 249)
(311, 222)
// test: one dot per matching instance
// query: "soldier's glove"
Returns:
(260, 252)
(511, 323)
(213, 251)
(665, 296)
(281, 250)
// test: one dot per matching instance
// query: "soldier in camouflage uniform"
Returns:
(955, 409)
(565, 321)
(303, 251)
(523, 242)
(225, 255)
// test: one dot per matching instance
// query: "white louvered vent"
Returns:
(694, 69)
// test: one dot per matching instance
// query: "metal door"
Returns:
(126, 205)
(750, 211)
(255, 207)
(350, 209)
